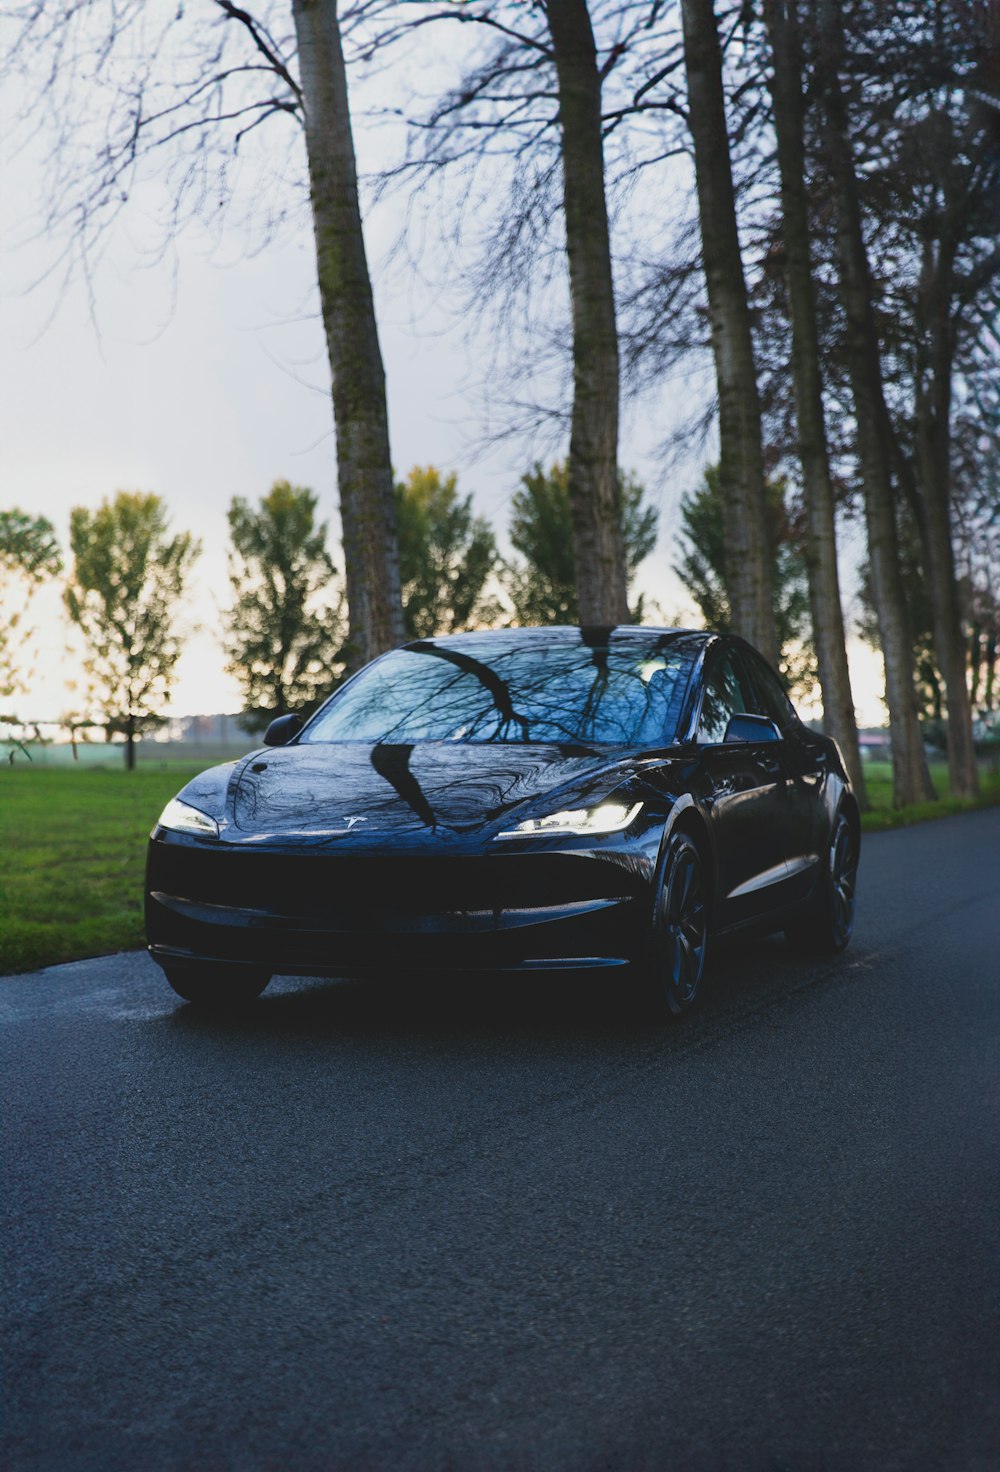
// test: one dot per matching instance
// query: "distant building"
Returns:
(219, 730)
(874, 744)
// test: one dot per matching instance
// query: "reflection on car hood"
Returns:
(333, 790)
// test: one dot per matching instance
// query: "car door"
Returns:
(803, 761)
(743, 794)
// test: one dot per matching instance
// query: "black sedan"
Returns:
(512, 800)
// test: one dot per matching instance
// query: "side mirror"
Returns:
(746, 727)
(281, 730)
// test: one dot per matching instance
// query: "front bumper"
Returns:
(321, 913)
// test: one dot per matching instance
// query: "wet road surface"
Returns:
(492, 1227)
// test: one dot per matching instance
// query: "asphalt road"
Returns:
(445, 1228)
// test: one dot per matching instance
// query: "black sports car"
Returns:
(515, 799)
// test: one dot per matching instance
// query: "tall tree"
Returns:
(285, 630)
(979, 546)
(137, 89)
(702, 567)
(524, 118)
(29, 553)
(929, 685)
(945, 167)
(600, 571)
(542, 587)
(364, 467)
(741, 460)
(127, 579)
(915, 85)
(447, 555)
(787, 92)
(911, 778)
(934, 388)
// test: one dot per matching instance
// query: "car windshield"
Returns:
(619, 691)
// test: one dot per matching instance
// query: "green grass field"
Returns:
(72, 850)
(72, 846)
(878, 776)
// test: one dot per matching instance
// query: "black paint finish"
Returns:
(337, 856)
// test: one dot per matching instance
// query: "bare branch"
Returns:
(263, 41)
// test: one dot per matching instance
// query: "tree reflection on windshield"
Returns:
(615, 690)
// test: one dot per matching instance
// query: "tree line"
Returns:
(823, 176)
(284, 628)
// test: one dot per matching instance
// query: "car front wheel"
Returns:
(679, 941)
(221, 986)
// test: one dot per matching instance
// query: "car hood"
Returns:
(347, 790)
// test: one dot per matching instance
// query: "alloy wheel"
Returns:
(843, 880)
(685, 924)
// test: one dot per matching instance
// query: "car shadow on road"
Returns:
(606, 1004)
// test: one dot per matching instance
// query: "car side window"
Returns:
(774, 703)
(725, 696)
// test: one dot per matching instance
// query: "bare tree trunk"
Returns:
(749, 559)
(933, 446)
(911, 778)
(601, 584)
(975, 661)
(364, 468)
(821, 533)
(130, 744)
(991, 670)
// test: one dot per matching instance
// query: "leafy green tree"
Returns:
(128, 576)
(446, 556)
(542, 587)
(29, 553)
(286, 628)
(701, 566)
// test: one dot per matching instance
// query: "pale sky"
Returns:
(211, 381)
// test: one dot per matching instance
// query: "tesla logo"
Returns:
(351, 822)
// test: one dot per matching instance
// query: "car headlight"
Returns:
(181, 817)
(607, 817)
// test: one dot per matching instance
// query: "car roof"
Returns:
(591, 635)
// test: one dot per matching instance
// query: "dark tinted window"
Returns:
(773, 701)
(725, 695)
(627, 690)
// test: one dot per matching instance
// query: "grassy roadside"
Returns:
(878, 776)
(72, 848)
(72, 851)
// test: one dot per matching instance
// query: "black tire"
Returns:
(217, 986)
(826, 926)
(675, 965)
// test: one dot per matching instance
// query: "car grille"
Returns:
(320, 911)
(316, 884)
